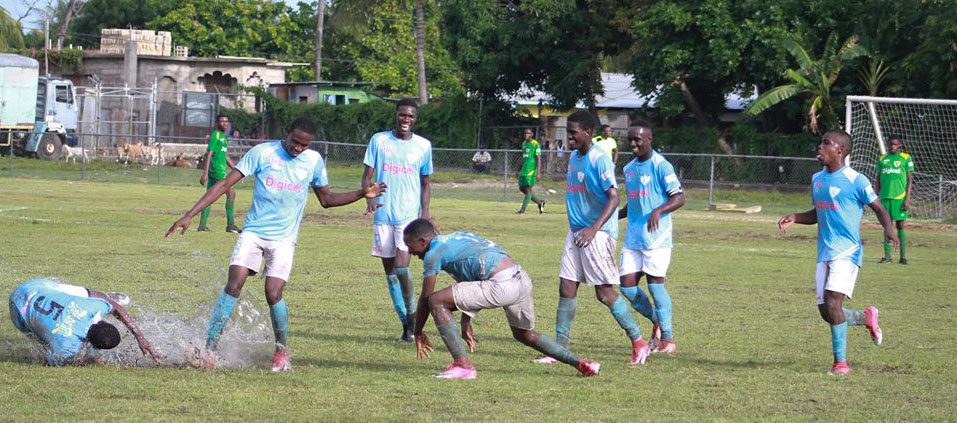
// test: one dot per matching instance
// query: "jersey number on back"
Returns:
(53, 306)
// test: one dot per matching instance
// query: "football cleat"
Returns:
(839, 369)
(203, 229)
(655, 336)
(639, 351)
(545, 360)
(666, 346)
(119, 298)
(541, 207)
(233, 229)
(870, 318)
(588, 367)
(885, 260)
(903, 261)
(280, 360)
(457, 372)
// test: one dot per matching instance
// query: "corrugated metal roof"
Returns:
(14, 60)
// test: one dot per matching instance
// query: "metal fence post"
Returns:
(711, 185)
(940, 197)
(505, 174)
(10, 155)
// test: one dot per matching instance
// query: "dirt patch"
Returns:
(933, 227)
(343, 219)
(763, 236)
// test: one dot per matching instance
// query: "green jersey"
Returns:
(893, 170)
(218, 143)
(608, 145)
(530, 153)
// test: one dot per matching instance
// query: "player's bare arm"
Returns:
(674, 203)
(425, 196)
(327, 198)
(470, 340)
(806, 218)
(885, 219)
(127, 321)
(204, 177)
(910, 183)
(423, 347)
(208, 198)
(371, 203)
(585, 236)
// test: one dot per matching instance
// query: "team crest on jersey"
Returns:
(645, 179)
(581, 176)
(834, 191)
(897, 163)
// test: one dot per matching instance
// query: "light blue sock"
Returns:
(553, 349)
(662, 309)
(839, 342)
(854, 317)
(639, 301)
(395, 291)
(280, 322)
(217, 321)
(408, 293)
(567, 307)
(624, 318)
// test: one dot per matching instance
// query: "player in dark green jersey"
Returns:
(528, 175)
(217, 165)
(895, 172)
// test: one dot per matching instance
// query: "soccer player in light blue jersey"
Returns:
(591, 198)
(486, 278)
(653, 192)
(284, 172)
(67, 318)
(839, 195)
(403, 160)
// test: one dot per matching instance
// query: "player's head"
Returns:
(222, 122)
(300, 135)
(529, 134)
(406, 113)
(834, 147)
(895, 143)
(606, 131)
(639, 139)
(417, 236)
(103, 336)
(581, 126)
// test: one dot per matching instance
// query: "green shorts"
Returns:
(212, 180)
(526, 181)
(895, 208)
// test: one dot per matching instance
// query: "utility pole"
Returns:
(46, 45)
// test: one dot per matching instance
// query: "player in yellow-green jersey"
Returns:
(895, 179)
(217, 165)
(528, 175)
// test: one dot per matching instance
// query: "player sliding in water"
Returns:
(284, 170)
(486, 278)
(68, 318)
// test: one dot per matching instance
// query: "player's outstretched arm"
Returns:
(124, 317)
(585, 236)
(371, 203)
(674, 202)
(886, 222)
(327, 198)
(423, 348)
(426, 196)
(806, 218)
(208, 198)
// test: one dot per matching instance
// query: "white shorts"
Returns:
(386, 239)
(837, 276)
(250, 250)
(592, 265)
(652, 262)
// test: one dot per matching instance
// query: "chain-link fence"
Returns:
(471, 173)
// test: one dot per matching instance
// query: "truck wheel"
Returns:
(50, 147)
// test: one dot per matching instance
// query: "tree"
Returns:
(100, 14)
(420, 51)
(71, 9)
(11, 34)
(814, 79)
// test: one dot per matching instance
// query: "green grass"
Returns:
(751, 345)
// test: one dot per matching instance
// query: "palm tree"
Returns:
(420, 51)
(320, 23)
(11, 34)
(813, 78)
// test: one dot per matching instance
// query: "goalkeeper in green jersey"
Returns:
(894, 182)
(528, 175)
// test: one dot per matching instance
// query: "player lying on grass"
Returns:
(66, 318)
(653, 192)
(284, 170)
(839, 194)
(486, 277)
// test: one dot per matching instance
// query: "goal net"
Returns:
(929, 131)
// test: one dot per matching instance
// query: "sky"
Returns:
(18, 7)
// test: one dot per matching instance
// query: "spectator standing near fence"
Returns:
(607, 143)
(217, 164)
(895, 177)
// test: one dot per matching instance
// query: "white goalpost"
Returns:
(929, 130)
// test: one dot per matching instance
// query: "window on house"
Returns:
(303, 99)
(340, 99)
(353, 101)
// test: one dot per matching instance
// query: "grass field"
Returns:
(751, 345)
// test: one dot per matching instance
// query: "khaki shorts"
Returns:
(250, 250)
(592, 265)
(510, 289)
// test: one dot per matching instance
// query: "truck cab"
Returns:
(56, 102)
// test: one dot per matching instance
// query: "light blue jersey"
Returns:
(648, 185)
(589, 177)
(839, 199)
(400, 164)
(282, 185)
(59, 315)
(465, 256)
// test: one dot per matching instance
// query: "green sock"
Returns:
(450, 335)
(902, 234)
(204, 217)
(229, 212)
(887, 249)
(525, 202)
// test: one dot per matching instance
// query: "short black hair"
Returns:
(584, 119)
(605, 126)
(407, 102)
(304, 124)
(641, 123)
(220, 116)
(895, 137)
(844, 138)
(103, 336)
(419, 228)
